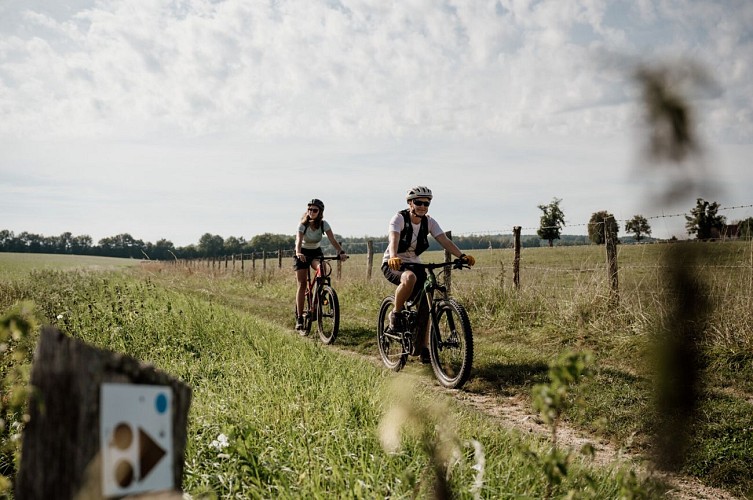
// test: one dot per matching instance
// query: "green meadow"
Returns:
(276, 415)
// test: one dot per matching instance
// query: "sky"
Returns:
(170, 119)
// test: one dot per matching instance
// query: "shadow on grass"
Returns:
(358, 339)
(506, 376)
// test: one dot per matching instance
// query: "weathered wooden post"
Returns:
(610, 240)
(516, 259)
(101, 424)
(279, 258)
(369, 258)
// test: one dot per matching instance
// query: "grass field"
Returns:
(304, 420)
(15, 265)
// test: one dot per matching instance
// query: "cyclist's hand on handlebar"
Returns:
(301, 257)
(394, 263)
(468, 259)
(343, 255)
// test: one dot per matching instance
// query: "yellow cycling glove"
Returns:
(394, 263)
(469, 259)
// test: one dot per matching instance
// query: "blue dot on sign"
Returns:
(161, 403)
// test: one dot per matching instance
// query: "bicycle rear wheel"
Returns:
(328, 316)
(390, 346)
(451, 346)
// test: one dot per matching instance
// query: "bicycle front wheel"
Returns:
(451, 346)
(328, 314)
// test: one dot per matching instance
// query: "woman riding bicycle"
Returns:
(308, 247)
(408, 238)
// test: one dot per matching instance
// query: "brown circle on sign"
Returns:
(122, 437)
(123, 473)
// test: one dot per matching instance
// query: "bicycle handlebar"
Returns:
(456, 264)
(328, 257)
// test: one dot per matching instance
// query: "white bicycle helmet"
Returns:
(418, 192)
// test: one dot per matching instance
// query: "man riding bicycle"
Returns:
(408, 238)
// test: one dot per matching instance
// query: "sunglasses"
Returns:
(313, 209)
(420, 203)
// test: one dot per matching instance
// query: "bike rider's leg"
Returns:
(402, 294)
(404, 289)
(301, 275)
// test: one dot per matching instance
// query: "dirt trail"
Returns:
(516, 413)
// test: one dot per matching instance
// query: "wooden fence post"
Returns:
(369, 258)
(63, 455)
(516, 260)
(279, 258)
(610, 240)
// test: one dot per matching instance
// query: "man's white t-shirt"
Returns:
(409, 256)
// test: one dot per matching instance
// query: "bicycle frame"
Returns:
(426, 296)
(320, 301)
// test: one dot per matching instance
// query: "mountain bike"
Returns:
(321, 304)
(449, 328)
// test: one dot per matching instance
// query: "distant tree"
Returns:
(31, 242)
(704, 221)
(122, 245)
(551, 221)
(745, 231)
(639, 226)
(162, 250)
(602, 224)
(211, 245)
(81, 244)
(234, 245)
(269, 242)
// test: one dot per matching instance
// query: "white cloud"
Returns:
(200, 102)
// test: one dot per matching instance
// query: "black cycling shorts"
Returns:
(310, 255)
(394, 276)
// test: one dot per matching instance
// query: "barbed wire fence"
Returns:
(268, 261)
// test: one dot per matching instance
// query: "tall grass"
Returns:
(563, 304)
(275, 415)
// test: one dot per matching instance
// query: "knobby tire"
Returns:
(451, 345)
(328, 315)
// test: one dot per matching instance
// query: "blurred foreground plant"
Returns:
(16, 327)
(433, 426)
(551, 401)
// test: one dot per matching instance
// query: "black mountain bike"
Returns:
(449, 329)
(321, 304)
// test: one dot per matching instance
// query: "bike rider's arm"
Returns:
(448, 245)
(298, 243)
(394, 260)
(336, 244)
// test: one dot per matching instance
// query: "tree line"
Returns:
(212, 245)
(704, 222)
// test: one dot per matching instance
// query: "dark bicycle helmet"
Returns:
(418, 192)
(317, 203)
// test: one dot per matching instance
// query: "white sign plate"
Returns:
(136, 436)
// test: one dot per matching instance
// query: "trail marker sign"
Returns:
(101, 425)
(136, 438)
